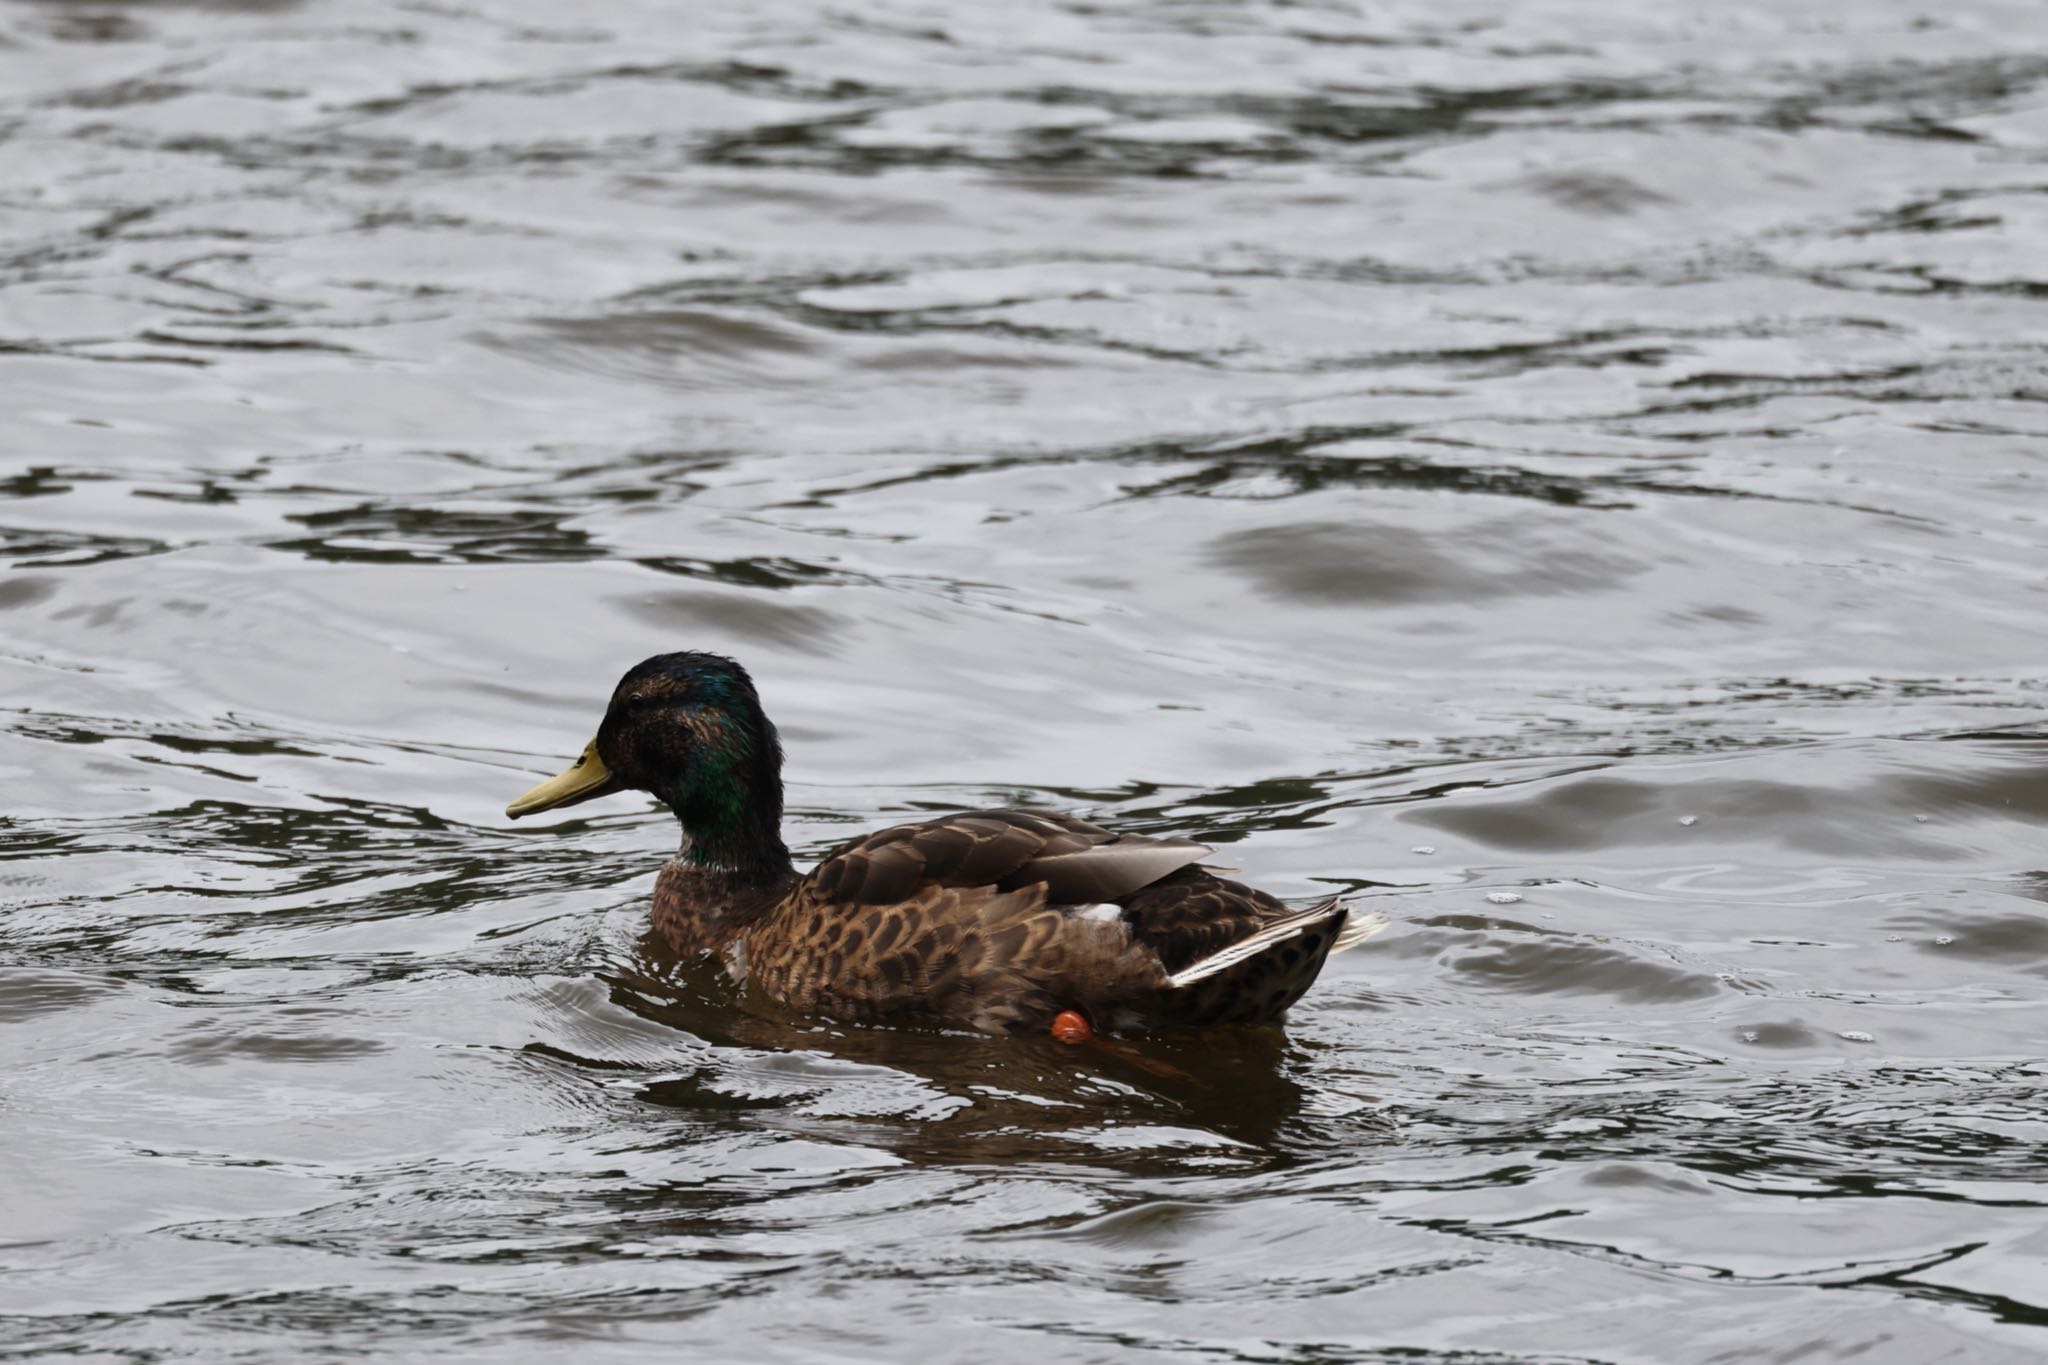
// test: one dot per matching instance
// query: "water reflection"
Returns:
(990, 1100)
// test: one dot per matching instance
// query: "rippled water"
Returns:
(1584, 453)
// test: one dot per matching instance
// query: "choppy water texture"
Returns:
(1592, 452)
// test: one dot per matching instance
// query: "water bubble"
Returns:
(1423, 848)
(1857, 1035)
(1502, 897)
(1688, 820)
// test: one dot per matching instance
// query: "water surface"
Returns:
(1573, 473)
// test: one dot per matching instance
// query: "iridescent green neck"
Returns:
(730, 802)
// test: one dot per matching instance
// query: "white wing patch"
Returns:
(1360, 927)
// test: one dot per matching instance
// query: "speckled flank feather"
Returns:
(997, 920)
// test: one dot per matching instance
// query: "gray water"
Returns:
(1589, 453)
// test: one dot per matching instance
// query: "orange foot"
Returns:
(1072, 1026)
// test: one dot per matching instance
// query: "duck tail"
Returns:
(1359, 926)
(1351, 929)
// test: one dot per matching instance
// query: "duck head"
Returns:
(687, 728)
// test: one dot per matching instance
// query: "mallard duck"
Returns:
(1004, 921)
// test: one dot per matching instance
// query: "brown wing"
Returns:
(1080, 863)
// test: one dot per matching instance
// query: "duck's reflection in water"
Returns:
(948, 1095)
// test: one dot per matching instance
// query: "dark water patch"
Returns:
(229, 6)
(24, 545)
(43, 481)
(105, 26)
(1335, 563)
(1278, 471)
(405, 534)
(811, 630)
(1320, 459)
(206, 1048)
(57, 728)
(1594, 193)
(1221, 815)
(1955, 86)
(822, 145)
(1539, 967)
(1464, 924)
(26, 993)
(2015, 942)
(679, 332)
(202, 491)
(24, 590)
(2025, 381)
(1140, 135)
(1787, 1034)
(686, 347)
(1042, 340)
(1898, 813)
(1948, 212)
(123, 94)
(242, 341)
(766, 572)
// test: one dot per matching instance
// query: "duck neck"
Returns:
(730, 804)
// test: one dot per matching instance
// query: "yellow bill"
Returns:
(580, 781)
